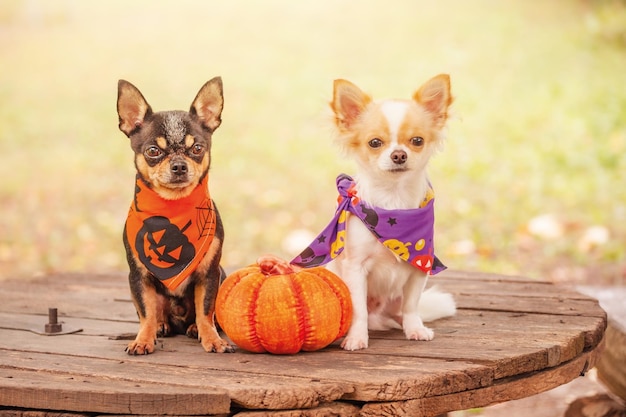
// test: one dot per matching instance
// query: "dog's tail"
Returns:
(436, 304)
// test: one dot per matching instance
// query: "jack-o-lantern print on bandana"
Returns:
(170, 238)
(407, 233)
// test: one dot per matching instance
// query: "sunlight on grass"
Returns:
(539, 128)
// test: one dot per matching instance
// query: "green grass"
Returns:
(540, 124)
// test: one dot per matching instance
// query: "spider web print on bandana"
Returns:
(407, 233)
(170, 238)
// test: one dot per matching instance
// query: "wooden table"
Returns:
(511, 338)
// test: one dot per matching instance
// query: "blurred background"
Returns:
(531, 180)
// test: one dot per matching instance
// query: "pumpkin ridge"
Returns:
(317, 330)
(303, 310)
(341, 293)
(252, 319)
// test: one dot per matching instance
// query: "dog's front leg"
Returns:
(355, 277)
(204, 299)
(412, 324)
(146, 303)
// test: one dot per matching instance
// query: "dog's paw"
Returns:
(351, 343)
(420, 333)
(140, 347)
(414, 328)
(209, 337)
(217, 345)
(163, 329)
(192, 331)
(357, 337)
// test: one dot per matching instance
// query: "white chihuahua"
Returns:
(381, 239)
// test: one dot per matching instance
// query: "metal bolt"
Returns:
(53, 326)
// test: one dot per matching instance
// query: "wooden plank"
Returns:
(522, 304)
(51, 391)
(479, 276)
(504, 285)
(90, 327)
(504, 356)
(372, 377)
(97, 296)
(489, 322)
(528, 296)
(247, 389)
(504, 390)
(39, 413)
(338, 409)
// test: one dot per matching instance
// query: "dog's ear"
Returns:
(132, 108)
(435, 96)
(348, 103)
(208, 104)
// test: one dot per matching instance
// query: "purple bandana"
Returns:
(407, 233)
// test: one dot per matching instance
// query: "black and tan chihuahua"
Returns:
(173, 234)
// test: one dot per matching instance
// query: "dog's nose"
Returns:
(398, 157)
(179, 168)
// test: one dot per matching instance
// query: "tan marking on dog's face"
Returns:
(189, 141)
(161, 142)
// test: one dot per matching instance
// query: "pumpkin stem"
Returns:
(273, 265)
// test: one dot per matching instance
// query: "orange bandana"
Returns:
(170, 237)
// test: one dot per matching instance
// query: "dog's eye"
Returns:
(153, 152)
(375, 143)
(197, 149)
(417, 141)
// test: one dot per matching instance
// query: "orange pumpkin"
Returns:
(278, 308)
